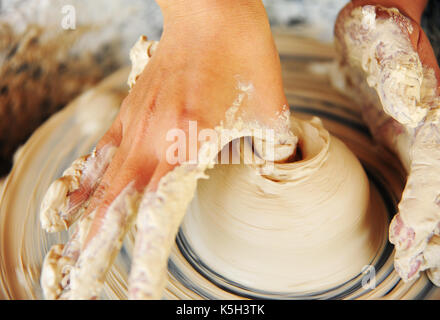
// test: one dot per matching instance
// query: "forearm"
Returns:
(212, 12)
(228, 27)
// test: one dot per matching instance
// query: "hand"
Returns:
(212, 55)
(394, 76)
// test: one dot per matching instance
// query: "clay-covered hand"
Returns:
(391, 70)
(213, 55)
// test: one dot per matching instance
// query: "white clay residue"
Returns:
(399, 98)
(392, 67)
(140, 54)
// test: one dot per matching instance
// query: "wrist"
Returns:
(227, 25)
(211, 13)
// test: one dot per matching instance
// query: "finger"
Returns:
(96, 171)
(161, 211)
(419, 214)
(113, 219)
(161, 170)
(107, 179)
(431, 255)
(153, 239)
(61, 259)
(67, 196)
